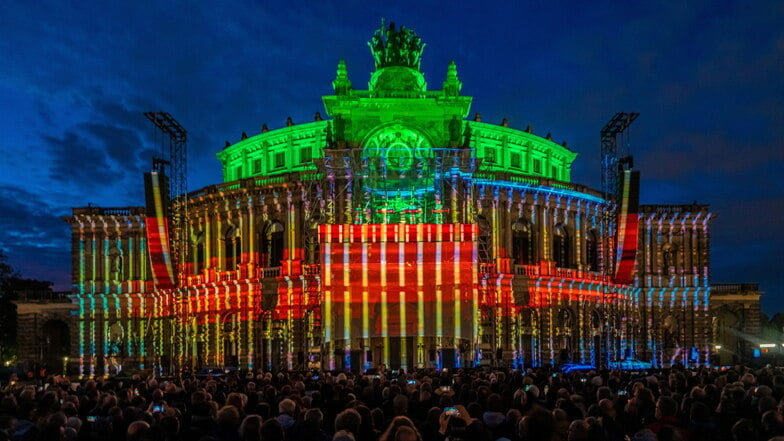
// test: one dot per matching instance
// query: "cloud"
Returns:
(707, 81)
(35, 240)
(103, 157)
(77, 161)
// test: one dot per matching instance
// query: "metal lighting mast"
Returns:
(611, 169)
(610, 161)
(178, 160)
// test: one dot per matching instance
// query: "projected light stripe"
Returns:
(398, 281)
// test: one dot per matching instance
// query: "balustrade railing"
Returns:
(728, 288)
(565, 273)
(44, 296)
(312, 270)
(270, 272)
(487, 268)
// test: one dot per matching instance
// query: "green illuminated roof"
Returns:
(395, 109)
(504, 149)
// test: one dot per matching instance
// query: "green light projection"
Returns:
(398, 175)
(399, 161)
(396, 120)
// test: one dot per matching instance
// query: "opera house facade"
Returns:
(396, 230)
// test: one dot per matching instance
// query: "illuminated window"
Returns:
(515, 160)
(199, 258)
(199, 255)
(538, 166)
(490, 155)
(272, 247)
(562, 247)
(523, 243)
(256, 166)
(232, 248)
(305, 155)
(280, 159)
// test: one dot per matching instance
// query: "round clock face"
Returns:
(399, 160)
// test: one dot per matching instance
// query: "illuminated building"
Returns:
(394, 232)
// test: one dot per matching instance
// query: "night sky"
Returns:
(707, 78)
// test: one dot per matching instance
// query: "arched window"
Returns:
(54, 343)
(564, 318)
(562, 247)
(274, 244)
(596, 319)
(592, 250)
(198, 252)
(523, 244)
(200, 256)
(232, 248)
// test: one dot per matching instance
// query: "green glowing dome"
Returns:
(397, 122)
(396, 80)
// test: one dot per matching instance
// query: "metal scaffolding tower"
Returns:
(610, 161)
(611, 169)
(178, 162)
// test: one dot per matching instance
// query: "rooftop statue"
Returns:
(396, 47)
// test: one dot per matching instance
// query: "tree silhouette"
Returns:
(7, 310)
(11, 283)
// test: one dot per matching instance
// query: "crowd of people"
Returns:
(705, 404)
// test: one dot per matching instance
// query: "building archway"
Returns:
(230, 327)
(55, 345)
(566, 330)
(726, 328)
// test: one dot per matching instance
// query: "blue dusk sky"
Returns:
(707, 78)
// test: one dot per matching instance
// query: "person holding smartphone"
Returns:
(453, 421)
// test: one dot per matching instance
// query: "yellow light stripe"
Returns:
(439, 294)
(364, 264)
(346, 297)
(384, 330)
(365, 315)
(346, 265)
(403, 357)
(475, 290)
(401, 256)
(327, 315)
(420, 281)
(458, 288)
